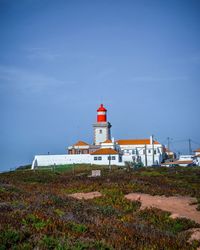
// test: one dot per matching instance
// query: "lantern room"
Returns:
(101, 114)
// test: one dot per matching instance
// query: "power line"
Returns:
(177, 141)
(197, 143)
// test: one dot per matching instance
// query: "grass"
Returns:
(36, 212)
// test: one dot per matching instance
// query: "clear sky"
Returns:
(59, 59)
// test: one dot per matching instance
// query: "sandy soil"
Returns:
(195, 234)
(86, 196)
(179, 206)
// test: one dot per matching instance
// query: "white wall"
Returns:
(128, 153)
(157, 159)
(105, 161)
(101, 137)
(48, 160)
(185, 157)
(198, 161)
(108, 145)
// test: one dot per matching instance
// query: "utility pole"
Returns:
(152, 150)
(109, 157)
(145, 154)
(190, 148)
(168, 143)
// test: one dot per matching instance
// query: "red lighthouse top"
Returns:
(101, 114)
(101, 108)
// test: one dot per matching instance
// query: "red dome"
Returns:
(101, 108)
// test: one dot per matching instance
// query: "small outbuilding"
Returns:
(106, 156)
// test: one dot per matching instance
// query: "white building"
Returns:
(103, 156)
(146, 151)
(106, 156)
(108, 144)
(105, 151)
(183, 161)
(196, 157)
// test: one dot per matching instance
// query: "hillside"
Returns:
(38, 211)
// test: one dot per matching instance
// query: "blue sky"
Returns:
(60, 59)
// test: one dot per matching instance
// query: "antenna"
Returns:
(190, 148)
(168, 142)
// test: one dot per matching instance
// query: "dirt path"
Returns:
(179, 206)
(86, 196)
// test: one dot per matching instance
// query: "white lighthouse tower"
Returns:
(101, 127)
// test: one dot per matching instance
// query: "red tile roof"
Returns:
(135, 142)
(197, 150)
(105, 151)
(107, 141)
(81, 143)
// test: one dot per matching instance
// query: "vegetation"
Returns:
(36, 211)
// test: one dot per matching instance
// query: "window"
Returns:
(95, 158)
(133, 151)
(149, 151)
(99, 158)
(109, 157)
(113, 157)
(154, 151)
(100, 131)
(144, 151)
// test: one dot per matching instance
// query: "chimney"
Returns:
(151, 139)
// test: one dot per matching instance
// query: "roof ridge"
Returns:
(136, 141)
(104, 151)
(81, 143)
(107, 141)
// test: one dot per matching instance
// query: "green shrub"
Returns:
(114, 198)
(162, 221)
(48, 242)
(35, 222)
(79, 228)
(106, 210)
(9, 238)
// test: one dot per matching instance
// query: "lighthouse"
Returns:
(101, 127)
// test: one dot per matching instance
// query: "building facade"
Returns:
(146, 151)
(196, 157)
(107, 151)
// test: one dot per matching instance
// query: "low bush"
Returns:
(9, 238)
(35, 222)
(161, 220)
